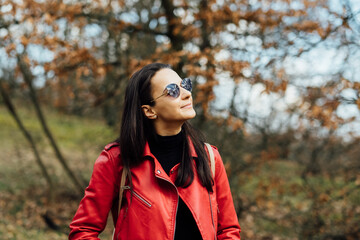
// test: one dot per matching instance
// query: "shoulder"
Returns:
(111, 145)
(107, 165)
(113, 151)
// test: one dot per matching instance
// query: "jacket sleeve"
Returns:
(91, 216)
(228, 223)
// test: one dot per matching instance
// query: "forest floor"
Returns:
(25, 210)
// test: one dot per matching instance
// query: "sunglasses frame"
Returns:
(184, 84)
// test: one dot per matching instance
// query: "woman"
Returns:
(170, 192)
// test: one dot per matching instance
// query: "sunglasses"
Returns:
(173, 89)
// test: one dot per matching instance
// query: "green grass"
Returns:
(22, 186)
(69, 131)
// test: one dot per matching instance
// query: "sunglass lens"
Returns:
(186, 83)
(173, 90)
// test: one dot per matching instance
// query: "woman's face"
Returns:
(170, 112)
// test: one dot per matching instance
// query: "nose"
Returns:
(185, 94)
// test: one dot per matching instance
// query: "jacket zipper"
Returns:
(141, 199)
(212, 216)
(138, 197)
(147, 203)
(177, 203)
(177, 206)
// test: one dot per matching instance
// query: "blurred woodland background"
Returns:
(276, 90)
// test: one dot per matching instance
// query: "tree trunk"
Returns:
(11, 108)
(176, 39)
(28, 77)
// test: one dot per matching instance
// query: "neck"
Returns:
(168, 129)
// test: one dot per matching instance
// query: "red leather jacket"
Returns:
(150, 212)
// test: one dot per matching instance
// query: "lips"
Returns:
(189, 105)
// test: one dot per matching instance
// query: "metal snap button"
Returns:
(158, 171)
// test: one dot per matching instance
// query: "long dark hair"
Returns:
(136, 129)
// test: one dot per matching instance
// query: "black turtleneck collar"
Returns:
(167, 149)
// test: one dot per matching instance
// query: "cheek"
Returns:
(168, 108)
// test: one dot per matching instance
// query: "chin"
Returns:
(191, 114)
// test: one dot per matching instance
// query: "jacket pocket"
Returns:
(142, 199)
